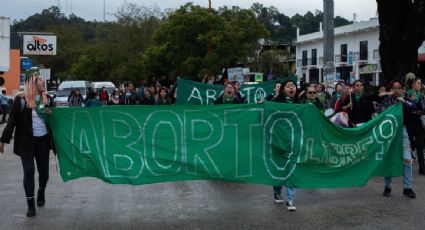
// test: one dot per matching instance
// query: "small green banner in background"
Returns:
(271, 144)
(259, 78)
(196, 93)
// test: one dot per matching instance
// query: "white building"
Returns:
(356, 53)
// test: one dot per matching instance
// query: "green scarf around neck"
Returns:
(357, 96)
(289, 100)
(227, 100)
(338, 95)
(310, 101)
(417, 94)
(40, 109)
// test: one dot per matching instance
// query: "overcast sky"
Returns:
(93, 9)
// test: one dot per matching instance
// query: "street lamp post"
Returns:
(328, 41)
(209, 35)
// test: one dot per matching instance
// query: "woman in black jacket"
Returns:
(361, 108)
(32, 140)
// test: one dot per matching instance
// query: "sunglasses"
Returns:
(312, 92)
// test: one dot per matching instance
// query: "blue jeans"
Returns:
(407, 160)
(290, 192)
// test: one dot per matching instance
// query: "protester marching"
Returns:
(351, 105)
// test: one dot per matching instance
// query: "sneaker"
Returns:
(290, 206)
(409, 193)
(278, 199)
(387, 192)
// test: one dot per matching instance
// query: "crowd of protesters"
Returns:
(127, 95)
(359, 106)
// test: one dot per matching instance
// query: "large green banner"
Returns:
(196, 93)
(271, 144)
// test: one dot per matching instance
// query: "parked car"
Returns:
(51, 93)
(65, 88)
(98, 85)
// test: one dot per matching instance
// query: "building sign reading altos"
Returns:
(39, 45)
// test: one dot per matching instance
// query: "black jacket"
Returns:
(362, 110)
(21, 120)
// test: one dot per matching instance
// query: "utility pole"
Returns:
(209, 36)
(209, 26)
(104, 11)
(328, 41)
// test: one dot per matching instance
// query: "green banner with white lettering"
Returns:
(196, 93)
(270, 144)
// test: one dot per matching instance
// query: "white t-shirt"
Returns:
(39, 128)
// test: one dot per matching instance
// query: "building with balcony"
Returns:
(356, 50)
(281, 58)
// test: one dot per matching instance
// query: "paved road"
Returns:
(91, 204)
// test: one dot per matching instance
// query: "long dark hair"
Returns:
(281, 97)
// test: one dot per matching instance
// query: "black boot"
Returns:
(31, 207)
(40, 197)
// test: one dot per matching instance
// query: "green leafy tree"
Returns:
(283, 29)
(181, 44)
(117, 48)
(40, 22)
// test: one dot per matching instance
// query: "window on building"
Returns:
(314, 57)
(344, 53)
(363, 50)
(376, 55)
(304, 57)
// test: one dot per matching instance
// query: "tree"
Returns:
(270, 63)
(181, 43)
(117, 47)
(40, 22)
(340, 21)
(279, 25)
(402, 31)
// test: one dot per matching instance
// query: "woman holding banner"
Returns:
(312, 98)
(397, 95)
(32, 140)
(287, 94)
(228, 96)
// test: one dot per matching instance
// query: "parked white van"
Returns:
(65, 88)
(98, 85)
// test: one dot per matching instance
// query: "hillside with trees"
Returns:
(147, 42)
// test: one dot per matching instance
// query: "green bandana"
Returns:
(227, 100)
(40, 109)
(338, 95)
(289, 100)
(309, 101)
(417, 94)
(357, 96)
